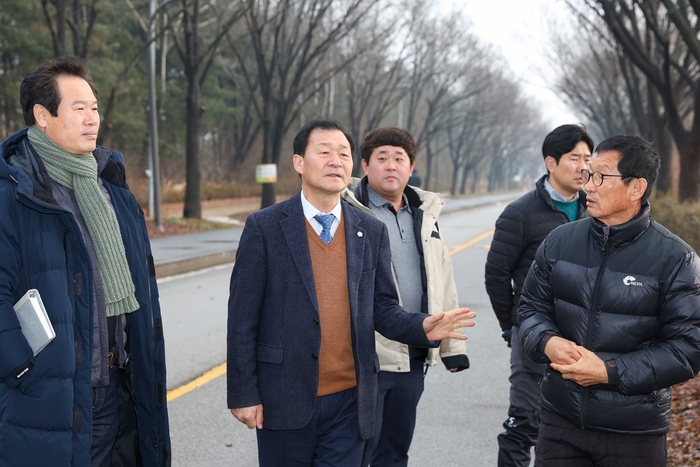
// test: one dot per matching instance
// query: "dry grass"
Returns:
(683, 219)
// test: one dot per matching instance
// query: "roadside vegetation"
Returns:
(683, 219)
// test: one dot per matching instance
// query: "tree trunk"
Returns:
(463, 183)
(455, 179)
(687, 142)
(689, 181)
(193, 177)
(269, 195)
(429, 164)
(437, 174)
(495, 175)
(356, 155)
(272, 149)
(664, 146)
(662, 140)
(475, 180)
(60, 46)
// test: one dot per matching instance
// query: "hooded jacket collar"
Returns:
(416, 197)
(623, 234)
(20, 162)
(362, 194)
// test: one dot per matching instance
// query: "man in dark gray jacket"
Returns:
(612, 304)
(556, 200)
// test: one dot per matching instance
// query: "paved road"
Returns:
(183, 253)
(459, 414)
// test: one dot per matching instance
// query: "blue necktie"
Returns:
(326, 220)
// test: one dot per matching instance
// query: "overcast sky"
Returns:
(520, 29)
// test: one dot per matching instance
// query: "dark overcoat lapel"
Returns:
(293, 228)
(355, 238)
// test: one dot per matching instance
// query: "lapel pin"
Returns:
(359, 234)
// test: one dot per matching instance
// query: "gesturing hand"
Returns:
(252, 417)
(442, 325)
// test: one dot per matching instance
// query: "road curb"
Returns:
(183, 266)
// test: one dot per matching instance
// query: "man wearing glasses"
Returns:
(557, 199)
(612, 304)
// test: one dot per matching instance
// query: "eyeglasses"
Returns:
(598, 176)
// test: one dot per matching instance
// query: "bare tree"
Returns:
(469, 126)
(84, 29)
(593, 84)
(239, 130)
(77, 17)
(661, 38)
(373, 90)
(198, 26)
(444, 63)
(599, 80)
(516, 131)
(283, 57)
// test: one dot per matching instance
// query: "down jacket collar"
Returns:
(544, 194)
(20, 163)
(623, 234)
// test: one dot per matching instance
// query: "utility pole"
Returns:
(153, 119)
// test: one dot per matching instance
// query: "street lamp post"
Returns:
(153, 120)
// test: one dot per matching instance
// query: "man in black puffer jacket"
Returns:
(556, 200)
(612, 303)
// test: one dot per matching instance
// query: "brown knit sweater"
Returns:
(336, 363)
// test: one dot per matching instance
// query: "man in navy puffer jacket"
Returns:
(520, 229)
(612, 304)
(70, 228)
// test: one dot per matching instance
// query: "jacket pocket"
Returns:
(270, 354)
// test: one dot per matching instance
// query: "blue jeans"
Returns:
(105, 421)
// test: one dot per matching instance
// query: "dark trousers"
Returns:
(105, 421)
(521, 427)
(563, 444)
(330, 439)
(395, 420)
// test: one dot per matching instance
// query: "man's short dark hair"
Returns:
(564, 139)
(638, 159)
(388, 136)
(301, 140)
(40, 86)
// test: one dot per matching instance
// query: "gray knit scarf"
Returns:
(79, 173)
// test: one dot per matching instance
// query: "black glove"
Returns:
(507, 334)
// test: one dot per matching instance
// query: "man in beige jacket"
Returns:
(423, 275)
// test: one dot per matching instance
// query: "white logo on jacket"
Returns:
(630, 280)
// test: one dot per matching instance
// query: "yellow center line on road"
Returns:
(194, 384)
(221, 369)
(469, 243)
